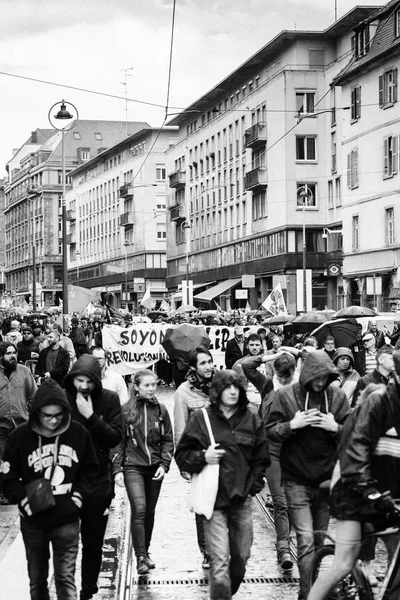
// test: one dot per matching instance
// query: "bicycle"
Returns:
(356, 585)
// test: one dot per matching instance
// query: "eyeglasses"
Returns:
(49, 416)
(27, 333)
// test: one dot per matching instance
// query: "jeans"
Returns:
(201, 541)
(93, 529)
(229, 536)
(308, 511)
(64, 540)
(281, 518)
(143, 494)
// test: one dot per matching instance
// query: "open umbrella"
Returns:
(278, 320)
(354, 311)
(186, 308)
(344, 331)
(308, 321)
(180, 340)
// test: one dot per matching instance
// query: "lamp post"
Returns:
(126, 244)
(186, 227)
(64, 115)
(33, 192)
(304, 196)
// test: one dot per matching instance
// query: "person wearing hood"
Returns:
(348, 376)
(307, 418)
(52, 446)
(241, 449)
(192, 395)
(143, 458)
(99, 410)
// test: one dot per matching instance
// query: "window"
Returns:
(361, 43)
(388, 88)
(330, 194)
(259, 206)
(311, 199)
(352, 169)
(355, 103)
(356, 232)
(390, 226)
(333, 106)
(161, 232)
(390, 156)
(305, 147)
(160, 172)
(84, 154)
(77, 135)
(333, 152)
(305, 102)
(98, 136)
(338, 191)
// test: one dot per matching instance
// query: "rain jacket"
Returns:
(105, 424)
(148, 444)
(189, 397)
(242, 436)
(76, 464)
(308, 455)
(16, 395)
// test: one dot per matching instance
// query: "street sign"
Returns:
(248, 281)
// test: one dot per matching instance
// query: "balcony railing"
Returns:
(255, 136)
(177, 180)
(177, 212)
(126, 219)
(257, 178)
(126, 191)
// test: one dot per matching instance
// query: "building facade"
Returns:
(117, 219)
(370, 156)
(33, 203)
(257, 163)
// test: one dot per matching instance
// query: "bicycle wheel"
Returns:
(355, 586)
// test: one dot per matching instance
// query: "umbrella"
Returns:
(304, 323)
(180, 340)
(278, 320)
(186, 308)
(344, 331)
(354, 311)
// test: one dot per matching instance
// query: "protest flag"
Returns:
(165, 306)
(80, 297)
(275, 302)
(147, 301)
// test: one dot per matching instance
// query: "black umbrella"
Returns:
(344, 331)
(354, 311)
(308, 321)
(278, 320)
(180, 340)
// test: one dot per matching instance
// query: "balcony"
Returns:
(177, 213)
(126, 191)
(177, 180)
(256, 179)
(126, 220)
(71, 215)
(71, 238)
(256, 136)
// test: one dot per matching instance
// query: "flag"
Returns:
(275, 303)
(219, 309)
(247, 310)
(80, 297)
(147, 301)
(165, 306)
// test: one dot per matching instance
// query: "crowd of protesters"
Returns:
(276, 412)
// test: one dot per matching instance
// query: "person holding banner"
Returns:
(142, 459)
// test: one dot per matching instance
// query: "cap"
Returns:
(368, 336)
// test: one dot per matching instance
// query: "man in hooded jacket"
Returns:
(242, 453)
(99, 410)
(53, 446)
(307, 417)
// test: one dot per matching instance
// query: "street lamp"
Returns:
(126, 244)
(64, 115)
(185, 227)
(304, 196)
(33, 192)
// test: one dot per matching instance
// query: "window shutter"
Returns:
(381, 96)
(355, 168)
(366, 38)
(353, 104)
(394, 154)
(395, 85)
(349, 170)
(358, 101)
(385, 157)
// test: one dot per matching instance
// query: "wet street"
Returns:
(178, 574)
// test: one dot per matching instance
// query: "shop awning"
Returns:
(218, 289)
(178, 295)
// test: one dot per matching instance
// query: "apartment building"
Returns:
(33, 202)
(247, 151)
(370, 156)
(117, 219)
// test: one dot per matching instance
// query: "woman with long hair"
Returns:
(142, 459)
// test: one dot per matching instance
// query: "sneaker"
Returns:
(141, 565)
(206, 561)
(149, 561)
(285, 561)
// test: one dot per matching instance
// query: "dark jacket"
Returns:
(78, 338)
(25, 349)
(150, 443)
(308, 455)
(368, 452)
(233, 352)
(105, 424)
(242, 436)
(374, 377)
(61, 368)
(76, 460)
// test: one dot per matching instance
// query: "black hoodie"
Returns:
(105, 424)
(76, 464)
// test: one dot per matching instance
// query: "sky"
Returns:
(89, 44)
